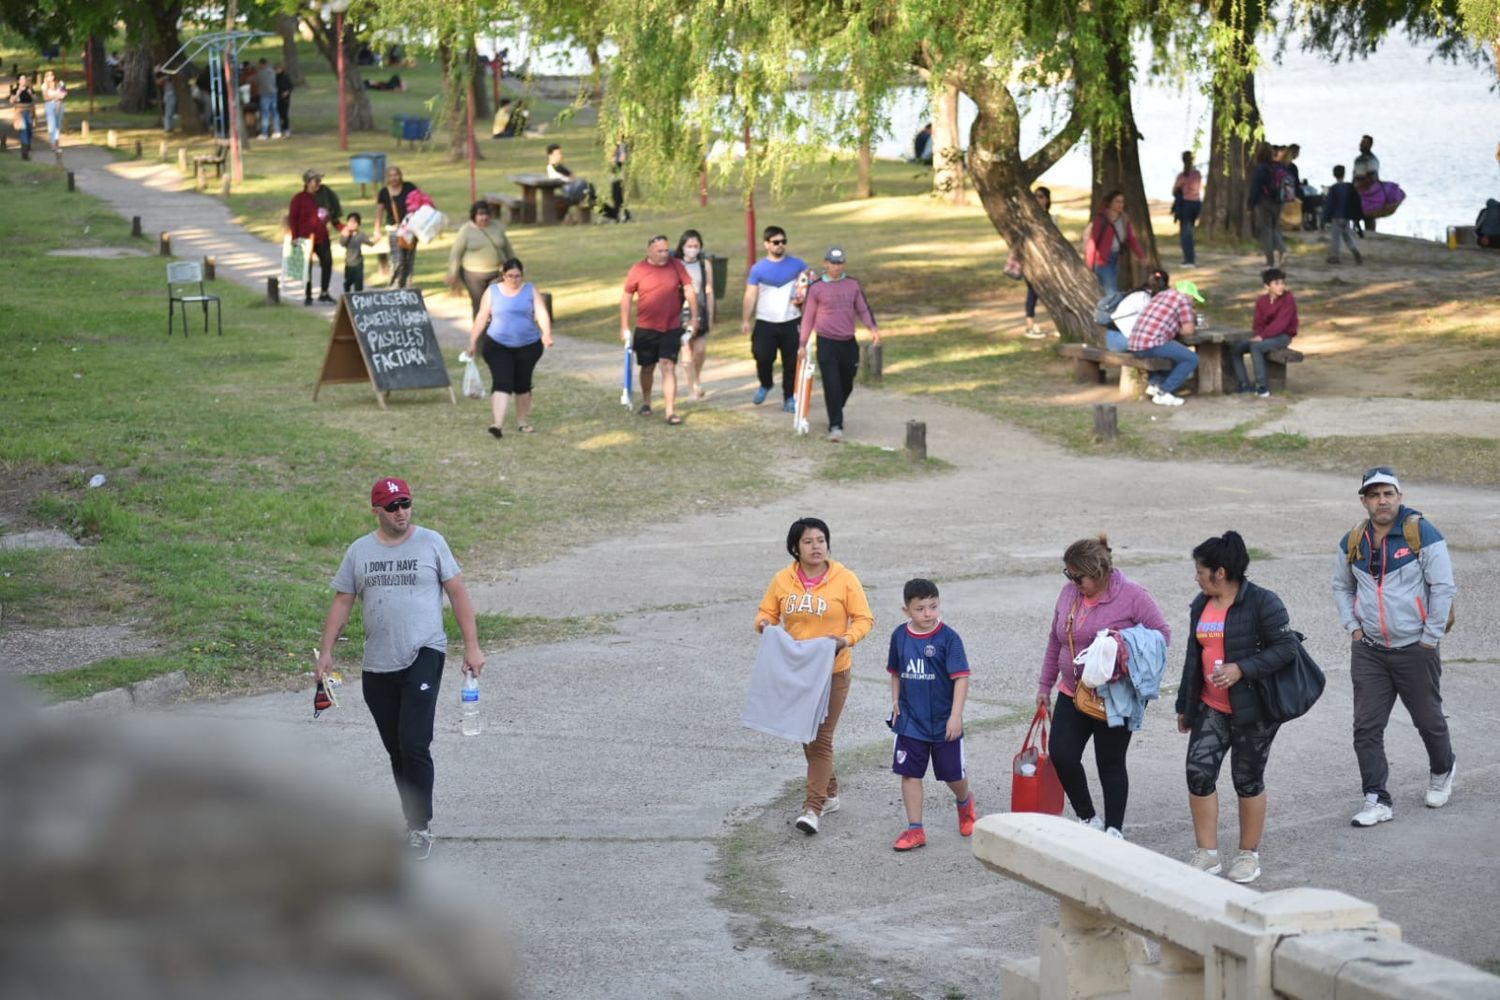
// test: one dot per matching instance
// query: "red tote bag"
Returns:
(1033, 780)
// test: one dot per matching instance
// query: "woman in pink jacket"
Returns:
(1109, 234)
(1096, 596)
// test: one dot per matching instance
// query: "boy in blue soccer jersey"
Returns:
(929, 682)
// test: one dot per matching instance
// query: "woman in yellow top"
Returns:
(813, 598)
(479, 248)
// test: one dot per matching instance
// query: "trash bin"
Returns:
(720, 264)
(368, 168)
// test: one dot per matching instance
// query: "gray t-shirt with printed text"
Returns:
(400, 588)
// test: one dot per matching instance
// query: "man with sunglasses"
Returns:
(400, 572)
(773, 302)
(1393, 584)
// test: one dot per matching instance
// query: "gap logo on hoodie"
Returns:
(803, 604)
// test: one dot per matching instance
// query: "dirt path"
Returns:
(598, 809)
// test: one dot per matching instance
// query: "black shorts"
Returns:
(511, 367)
(651, 346)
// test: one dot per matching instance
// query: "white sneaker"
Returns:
(836, 435)
(1246, 867)
(1152, 389)
(1164, 398)
(1114, 832)
(1093, 822)
(808, 822)
(1374, 811)
(1440, 787)
(1205, 861)
(419, 844)
(830, 805)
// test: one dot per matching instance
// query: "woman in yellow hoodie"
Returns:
(813, 598)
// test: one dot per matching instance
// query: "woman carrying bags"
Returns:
(1096, 597)
(1239, 632)
(814, 598)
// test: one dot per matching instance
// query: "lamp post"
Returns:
(338, 7)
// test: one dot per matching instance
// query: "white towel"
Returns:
(790, 686)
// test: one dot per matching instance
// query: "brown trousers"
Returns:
(822, 783)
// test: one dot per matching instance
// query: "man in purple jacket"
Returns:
(831, 308)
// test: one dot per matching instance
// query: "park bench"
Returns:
(203, 161)
(542, 202)
(506, 208)
(1089, 364)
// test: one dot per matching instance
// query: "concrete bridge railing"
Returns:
(1218, 940)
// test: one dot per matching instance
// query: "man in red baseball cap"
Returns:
(406, 570)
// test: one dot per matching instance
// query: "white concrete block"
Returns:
(1152, 982)
(1367, 965)
(1305, 911)
(1020, 979)
(1076, 964)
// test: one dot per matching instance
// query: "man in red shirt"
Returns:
(657, 284)
(1274, 326)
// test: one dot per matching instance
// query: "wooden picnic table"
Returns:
(1213, 347)
(540, 203)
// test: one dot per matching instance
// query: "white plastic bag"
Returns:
(1098, 661)
(427, 222)
(473, 383)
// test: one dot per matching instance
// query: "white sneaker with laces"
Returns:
(830, 805)
(1114, 832)
(419, 844)
(1093, 822)
(1440, 787)
(1152, 389)
(808, 822)
(1374, 811)
(1205, 861)
(1246, 867)
(1167, 399)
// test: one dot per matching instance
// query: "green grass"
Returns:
(231, 494)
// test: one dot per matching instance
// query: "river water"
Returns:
(1436, 128)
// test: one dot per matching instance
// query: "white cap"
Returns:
(1379, 476)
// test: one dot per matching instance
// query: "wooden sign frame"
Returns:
(347, 359)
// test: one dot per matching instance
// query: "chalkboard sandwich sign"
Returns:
(386, 337)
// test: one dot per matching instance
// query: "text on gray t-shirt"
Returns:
(400, 588)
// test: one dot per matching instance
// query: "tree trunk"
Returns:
(483, 112)
(865, 186)
(454, 113)
(1234, 124)
(104, 80)
(947, 147)
(356, 99)
(286, 27)
(1117, 167)
(138, 89)
(1003, 180)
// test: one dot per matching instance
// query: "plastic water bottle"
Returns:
(470, 701)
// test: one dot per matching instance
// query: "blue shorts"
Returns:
(909, 759)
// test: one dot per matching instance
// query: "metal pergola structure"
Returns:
(223, 49)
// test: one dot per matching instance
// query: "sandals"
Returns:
(496, 432)
(645, 410)
(674, 420)
(526, 429)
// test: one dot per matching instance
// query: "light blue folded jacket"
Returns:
(790, 685)
(1125, 699)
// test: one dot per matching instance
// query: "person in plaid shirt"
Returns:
(1166, 317)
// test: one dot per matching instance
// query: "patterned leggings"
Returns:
(1215, 734)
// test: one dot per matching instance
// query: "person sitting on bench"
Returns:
(510, 120)
(394, 83)
(575, 190)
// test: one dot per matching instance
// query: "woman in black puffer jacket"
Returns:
(1239, 633)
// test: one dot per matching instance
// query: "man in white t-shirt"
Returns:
(774, 292)
(400, 572)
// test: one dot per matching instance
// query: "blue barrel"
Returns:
(368, 168)
(415, 128)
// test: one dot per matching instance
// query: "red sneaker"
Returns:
(912, 839)
(967, 816)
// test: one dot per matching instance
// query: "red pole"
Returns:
(750, 253)
(497, 66)
(237, 164)
(469, 109)
(343, 103)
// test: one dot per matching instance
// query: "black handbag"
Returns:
(1291, 691)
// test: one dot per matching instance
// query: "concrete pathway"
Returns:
(594, 807)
